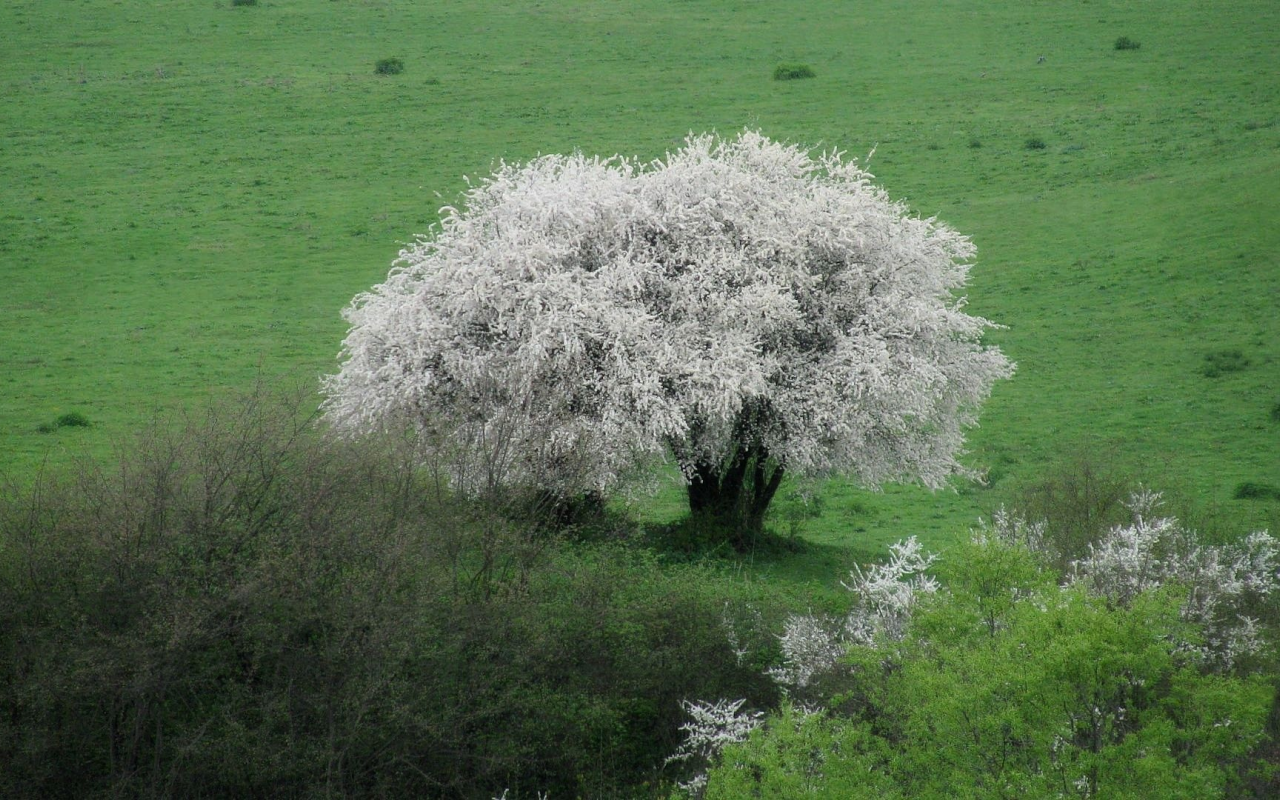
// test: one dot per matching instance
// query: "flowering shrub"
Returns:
(711, 727)
(1155, 551)
(749, 308)
(1009, 683)
(885, 595)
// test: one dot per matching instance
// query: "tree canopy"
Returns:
(740, 304)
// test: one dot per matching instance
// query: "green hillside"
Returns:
(190, 193)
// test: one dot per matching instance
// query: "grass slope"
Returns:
(189, 193)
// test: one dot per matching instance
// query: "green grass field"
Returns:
(190, 193)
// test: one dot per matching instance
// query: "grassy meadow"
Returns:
(191, 191)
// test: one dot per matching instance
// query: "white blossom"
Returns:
(885, 595)
(1154, 551)
(888, 592)
(710, 728)
(577, 314)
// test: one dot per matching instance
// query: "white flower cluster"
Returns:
(711, 727)
(580, 313)
(885, 596)
(888, 592)
(1012, 530)
(1154, 551)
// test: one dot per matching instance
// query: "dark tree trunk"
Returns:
(735, 495)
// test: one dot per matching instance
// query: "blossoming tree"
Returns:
(747, 308)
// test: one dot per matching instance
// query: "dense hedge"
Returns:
(239, 607)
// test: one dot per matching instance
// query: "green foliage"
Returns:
(244, 2)
(1275, 413)
(1078, 500)
(989, 579)
(1253, 490)
(793, 72)
(1222, 362)
(1035, 143)
(73, 419)
(1048, 693)
(242, 606)
(389, 66)
(800, 754)
(1125, 43)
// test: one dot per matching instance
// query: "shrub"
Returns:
(1125, 43)
(1123, 682)
(240, 605)
(1221, 362)
(244, 2)
(1249, 490)
(1035, 143)
(975, 143)
(1075, 503)
(73, 419)
(793, 72)
(389, 66)
(1275, 413)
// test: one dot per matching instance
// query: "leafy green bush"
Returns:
(1077, 501)
(243, 606)
(1035, 143)
(1125, 43)
(1251, 490)
(244, 2)
(793, 72)
(72, 419)
(389, 66)
(1008, 680)
(1068, 696)
(1221, 362)
(1275, 413)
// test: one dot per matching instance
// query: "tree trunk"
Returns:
(735, 495)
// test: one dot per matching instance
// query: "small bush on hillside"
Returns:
(792, 72)
(1125, 43)
(1221, 362)
(1275, 413)
(72, 419)
(1076, 502)
(244, 2)
(389, 66)
(1251, 490)
(975, 144)
(1035, 143)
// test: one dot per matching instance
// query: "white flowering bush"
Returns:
(711, 727)
(1011, 683)
(884, 597)
(1155, 551)
(747, 307)
(888, 592)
